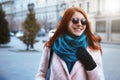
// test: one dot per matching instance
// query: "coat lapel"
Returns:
(64, 66)
(76, 67)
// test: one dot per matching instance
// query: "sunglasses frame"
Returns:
(76, 21)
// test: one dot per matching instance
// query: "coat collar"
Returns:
(75, 68)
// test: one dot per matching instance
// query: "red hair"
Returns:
(63, 29)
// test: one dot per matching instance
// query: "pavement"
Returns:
(111, 58)
(18, 64)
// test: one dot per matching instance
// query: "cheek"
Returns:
(70, 27)
(84, 28)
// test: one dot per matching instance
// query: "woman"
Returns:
(72, 33)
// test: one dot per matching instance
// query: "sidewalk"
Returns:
(18, 64)
(17, 45)
(111, 42)
(110, 45)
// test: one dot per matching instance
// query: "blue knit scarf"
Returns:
(66, 46)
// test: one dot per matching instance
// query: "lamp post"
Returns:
(46, 21)
(0, 6)
(98, 7)
(57, 9)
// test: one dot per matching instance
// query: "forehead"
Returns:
(78, 14)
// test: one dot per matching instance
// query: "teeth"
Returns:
(77, 29)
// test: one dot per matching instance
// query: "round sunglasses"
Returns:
(76, 21)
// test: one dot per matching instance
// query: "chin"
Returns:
(78, 34)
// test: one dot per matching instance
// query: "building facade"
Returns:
(107, 20)
(104, 19)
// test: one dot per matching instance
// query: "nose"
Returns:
(79, 23)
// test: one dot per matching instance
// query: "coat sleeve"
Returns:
(43, 65)
(97, 73)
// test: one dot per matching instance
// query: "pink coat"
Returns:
(59, 69)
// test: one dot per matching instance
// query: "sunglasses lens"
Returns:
(75, 20)
(83, 21)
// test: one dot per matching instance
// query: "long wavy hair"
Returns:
(62, 29)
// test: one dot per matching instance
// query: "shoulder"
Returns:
(46, 49)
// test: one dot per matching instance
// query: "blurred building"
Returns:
(104, 15)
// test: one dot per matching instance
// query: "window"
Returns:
(115, 26)
(100, 26)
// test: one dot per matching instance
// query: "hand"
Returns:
(85, 58)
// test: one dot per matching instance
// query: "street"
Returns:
(18, 64)
(111, 58)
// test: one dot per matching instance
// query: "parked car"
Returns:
(11, 34)
(51, 33)
(19, 34)
(42, 32)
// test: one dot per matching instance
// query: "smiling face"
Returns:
(76, 29)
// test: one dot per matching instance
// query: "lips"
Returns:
(78, 29)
